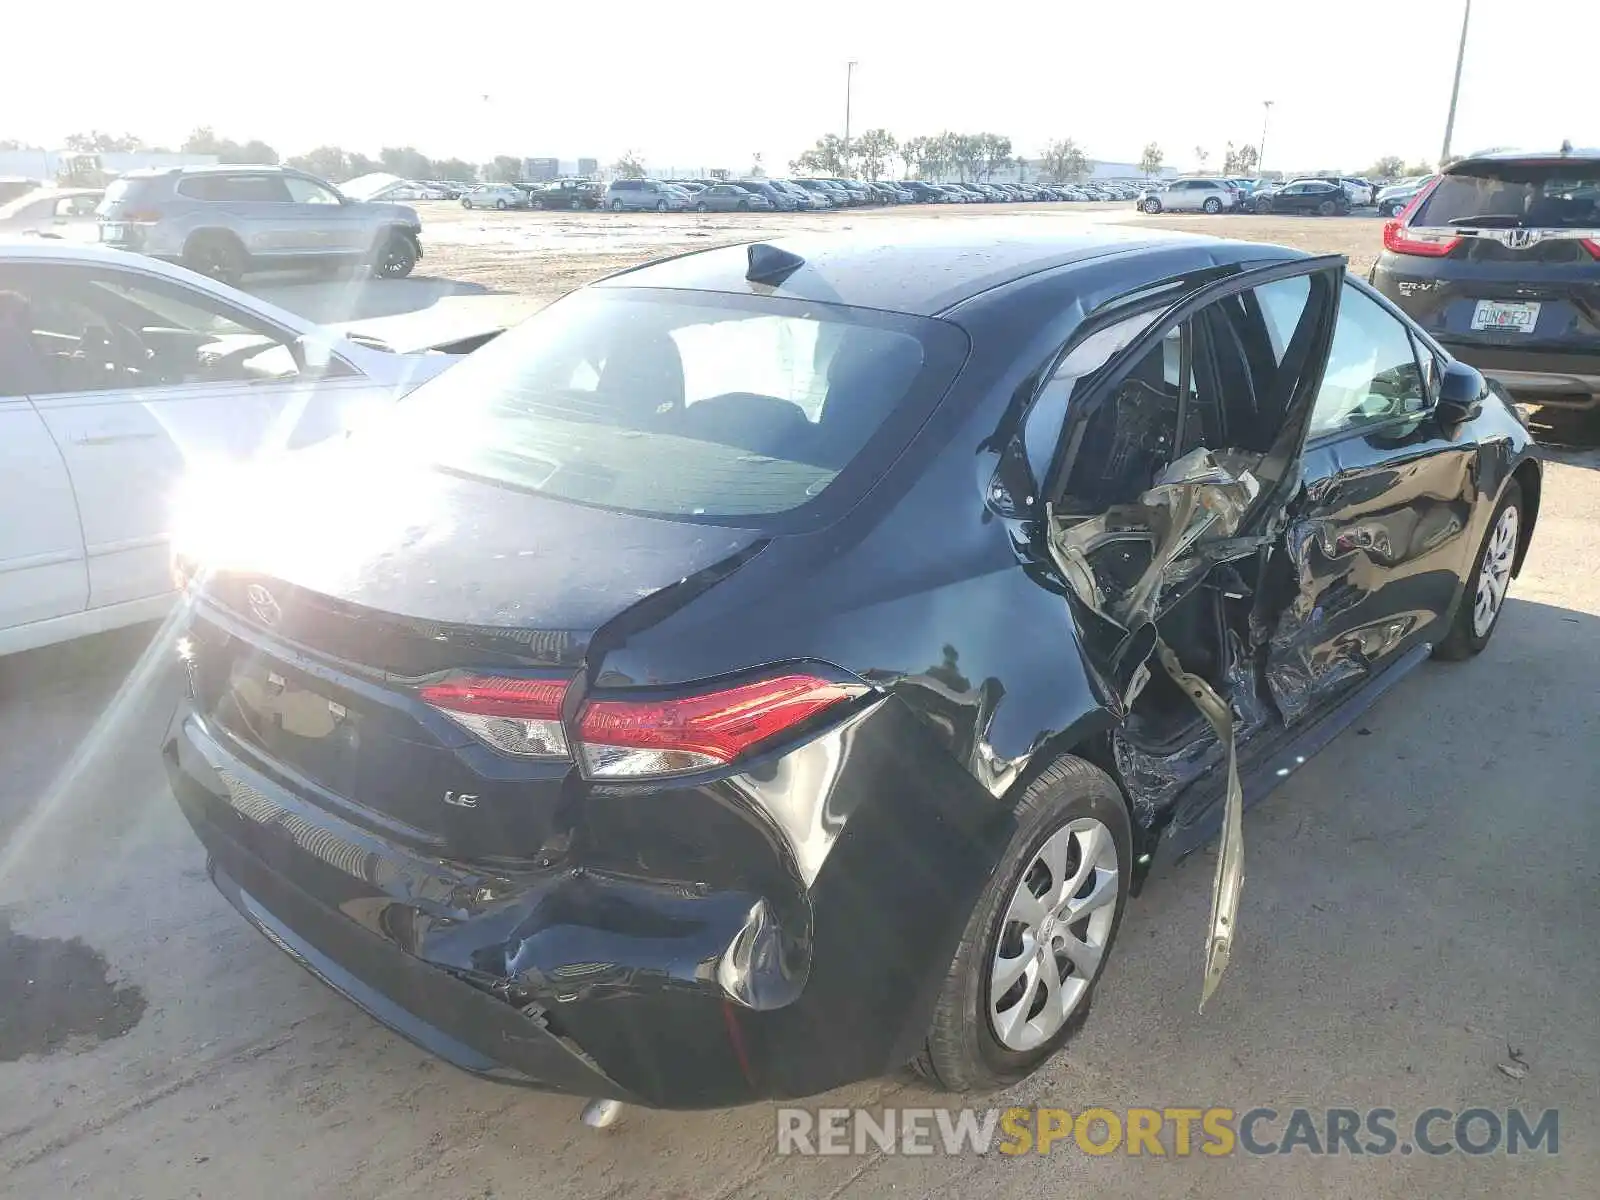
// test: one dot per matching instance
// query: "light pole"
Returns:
(1455, 88)
(1261, 153)
(849, 74)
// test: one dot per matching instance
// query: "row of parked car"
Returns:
(782, 195)
(1331, 195)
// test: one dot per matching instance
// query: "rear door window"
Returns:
(1513, 195)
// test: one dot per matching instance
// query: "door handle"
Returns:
(111, 439)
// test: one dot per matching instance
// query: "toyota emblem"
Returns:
(262, 606)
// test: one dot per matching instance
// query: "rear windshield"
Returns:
(1515, 195)
(705, 406)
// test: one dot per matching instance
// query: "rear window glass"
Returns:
(701, 406)
(1517, 195)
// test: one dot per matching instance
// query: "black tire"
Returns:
(501, 205)
(217, 255)
(961, 1053)
(1212, 205)
(744, 206)
(1462, 641)
(1152, 206)
(1327, 208)
(1386, 209)
(700, 206)
(661, 206)
(616, 206)
(465, 203)
(1263, 204)
(396, 257)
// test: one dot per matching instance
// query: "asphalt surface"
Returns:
(1418, 929)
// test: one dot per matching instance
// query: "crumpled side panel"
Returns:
(1305, 658)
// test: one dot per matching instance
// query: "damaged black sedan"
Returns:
(777, 664)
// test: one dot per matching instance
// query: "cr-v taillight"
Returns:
(625, 738)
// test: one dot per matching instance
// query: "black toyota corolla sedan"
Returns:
(774, 665)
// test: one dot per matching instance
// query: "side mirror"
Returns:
(1461, 392)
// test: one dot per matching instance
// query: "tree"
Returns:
(874, 149)
(964, 152)
(909, 150)
(1150, 160)
(506, 169)
(1390, 166)
(757, 171)
(1201, 154)
(1419, 168)
(826, 158)
(325, 162)
(1063, 162)
(203, 140)
(629, 166)
(456, 170)
(994, 153)
(95, 142)
(1241, 160)
(406, 161)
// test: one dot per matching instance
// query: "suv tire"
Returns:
(1464, 639)
(616, 206)
(1151, 206)
(396, 257)
(501, 205)
(217, 255)
(962, 1052)
(1212, 205)
(661, 206)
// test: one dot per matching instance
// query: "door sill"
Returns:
(1286, 754)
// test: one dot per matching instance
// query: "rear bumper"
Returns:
(599, 983)
(1539, 376)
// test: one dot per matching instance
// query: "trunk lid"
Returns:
(309, 651)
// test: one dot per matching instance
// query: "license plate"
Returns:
(1511, 316)
(113, 233)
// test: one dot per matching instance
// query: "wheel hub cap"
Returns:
(1494, 577)
(1053, 934)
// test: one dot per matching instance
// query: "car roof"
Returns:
(1585, 154)
(925, 271)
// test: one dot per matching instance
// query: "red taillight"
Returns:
(629, 739)
(515, 716)
(1591, 245)
(633, 739)
(1427, 243)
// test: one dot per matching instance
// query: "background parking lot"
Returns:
(1419, 917)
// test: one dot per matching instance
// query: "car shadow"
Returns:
(352, 298)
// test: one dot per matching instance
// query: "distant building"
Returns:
(48, 165)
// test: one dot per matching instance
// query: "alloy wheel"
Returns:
(1053, 934)
(1494, 576)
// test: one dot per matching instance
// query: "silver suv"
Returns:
(634, 195)
(227, 221)
(1188, 195)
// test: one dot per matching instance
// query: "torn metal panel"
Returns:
(1181, 527)
(1229, 881)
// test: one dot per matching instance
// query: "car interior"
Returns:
(84, 331)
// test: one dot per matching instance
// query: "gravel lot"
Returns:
(1420, 902)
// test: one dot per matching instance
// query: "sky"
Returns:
(708, 83)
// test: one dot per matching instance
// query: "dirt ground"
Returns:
(545, 254)
(1418, 925)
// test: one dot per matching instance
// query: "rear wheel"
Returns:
(1212, 205)
(218, 255)
(1024, 974)
(616, 206)
(501, 205)
(1484, 594)
(465, 203)
(1327, 208)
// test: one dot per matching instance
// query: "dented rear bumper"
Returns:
(595, 983)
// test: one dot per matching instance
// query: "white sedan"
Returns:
(119, 375)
